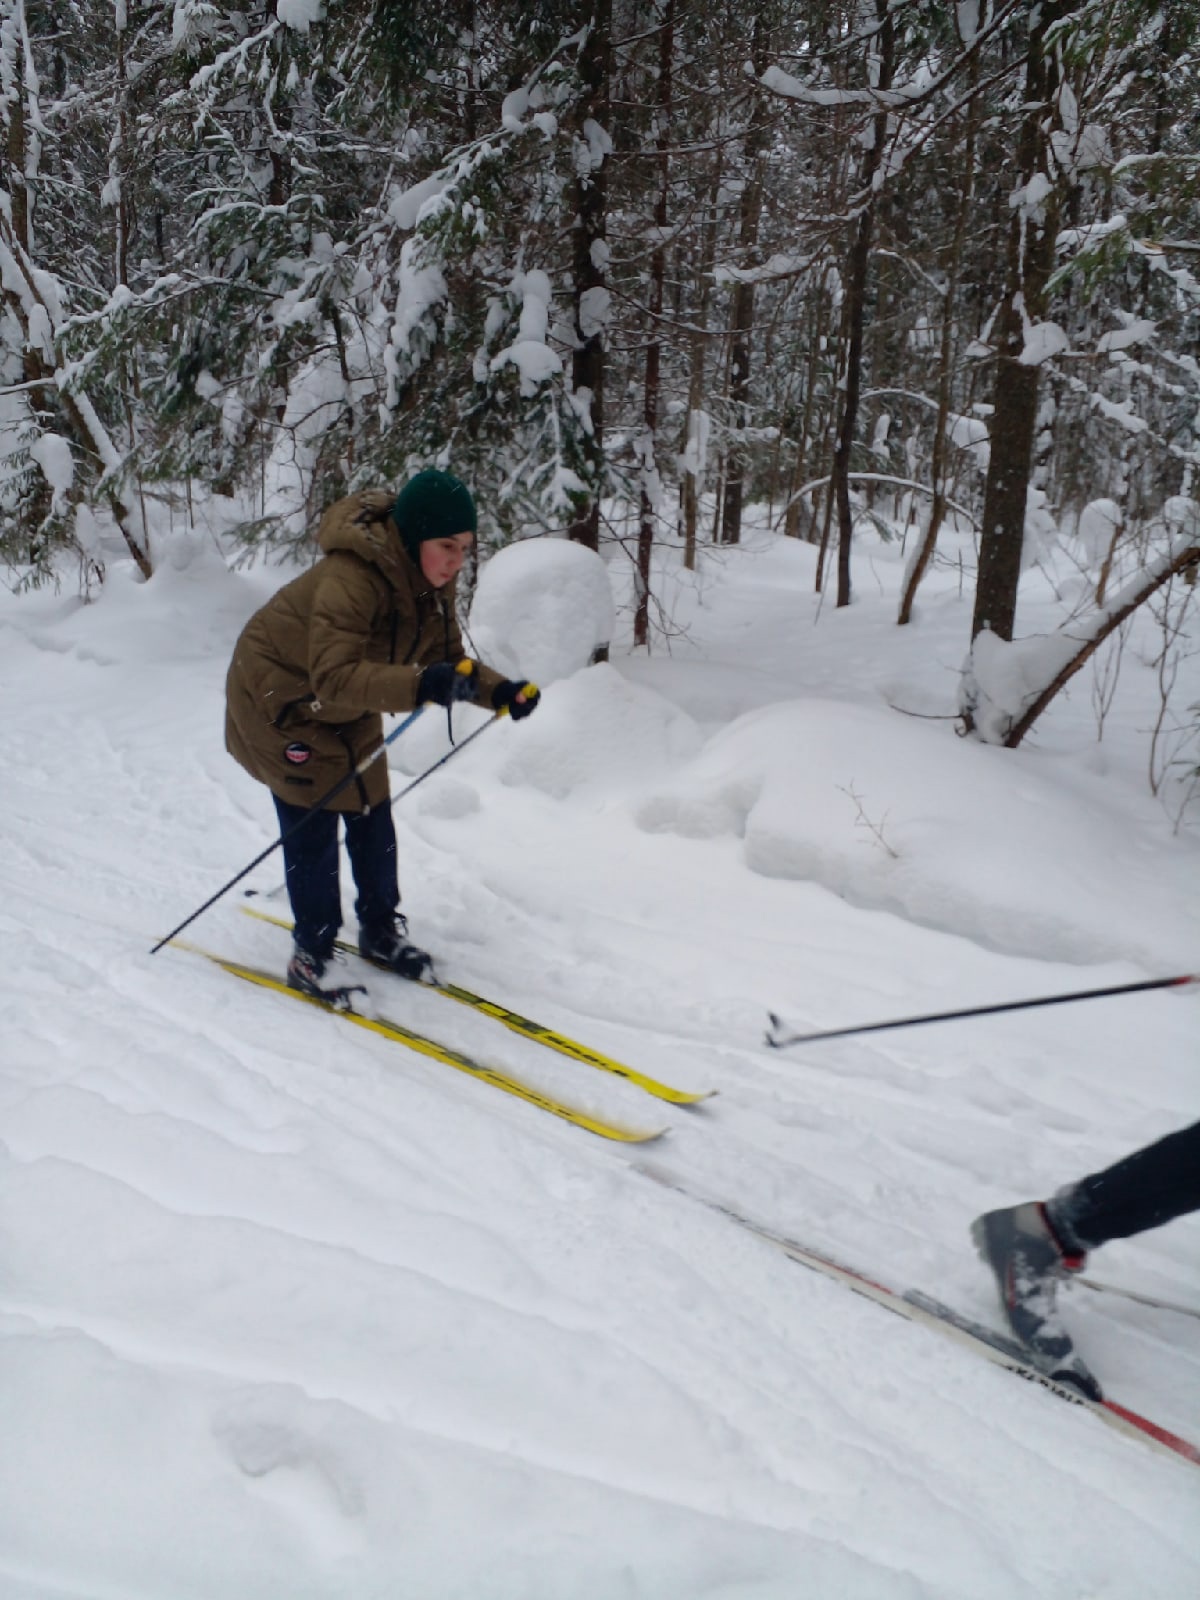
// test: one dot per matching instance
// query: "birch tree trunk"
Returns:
(693, 473)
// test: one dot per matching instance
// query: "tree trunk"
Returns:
(590, 266)
(18, 189)
(742, 319)
(693, 477)
(651, 487)
(940, 452)
(795, 509)
(1030, 258)
(855, 308)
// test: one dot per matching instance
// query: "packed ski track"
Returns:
(291, 1311)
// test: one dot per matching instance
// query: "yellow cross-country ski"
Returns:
(528, 1029)
(439, 1052)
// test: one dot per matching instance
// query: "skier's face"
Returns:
(441, 559)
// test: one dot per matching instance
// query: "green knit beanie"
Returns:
(433, 505)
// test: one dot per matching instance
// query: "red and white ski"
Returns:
(917, 1307)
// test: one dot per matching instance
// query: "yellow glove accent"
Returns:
(524, 693)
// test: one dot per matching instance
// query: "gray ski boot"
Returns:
(1021, 1248)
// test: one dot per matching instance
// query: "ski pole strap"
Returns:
(779, 1039)
(330, 794)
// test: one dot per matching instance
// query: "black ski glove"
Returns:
(447, 681)
(518, 698)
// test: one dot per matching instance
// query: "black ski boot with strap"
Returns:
(388, 945)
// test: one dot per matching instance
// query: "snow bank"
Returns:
(897, 816)
(592, 732)
(541, 609)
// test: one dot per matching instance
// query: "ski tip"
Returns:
(632, 1136)
(696, 1097)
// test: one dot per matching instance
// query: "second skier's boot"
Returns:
(1029, 1261)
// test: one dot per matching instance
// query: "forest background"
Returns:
(625, 266)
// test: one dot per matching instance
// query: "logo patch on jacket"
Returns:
(297, 754)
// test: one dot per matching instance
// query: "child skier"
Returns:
(371, 627)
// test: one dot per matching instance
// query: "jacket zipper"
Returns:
(412, 649)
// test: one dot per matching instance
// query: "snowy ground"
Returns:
(291, 1312)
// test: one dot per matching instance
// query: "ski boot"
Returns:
(387, 945)
(305, 973)
(1028, 1260)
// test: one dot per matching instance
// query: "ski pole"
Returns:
(462, 744)
(449, 756)
(779, 1040)
(332, 794)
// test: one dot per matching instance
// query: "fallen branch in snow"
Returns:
(926, 716)
(1106, 622)
(864, 821)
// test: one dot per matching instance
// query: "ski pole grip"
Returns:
(506, 710)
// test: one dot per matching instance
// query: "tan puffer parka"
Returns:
(315, 667)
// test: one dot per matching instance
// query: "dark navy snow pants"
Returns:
(310, 859)
(1143, 1190)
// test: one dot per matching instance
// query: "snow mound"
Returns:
(541, 608)
(449, 799)
(593, 731)
(966, 839)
